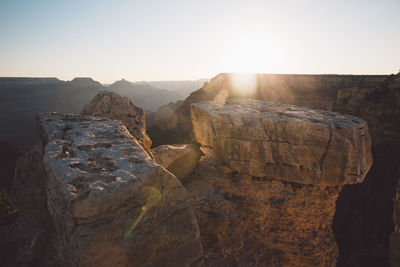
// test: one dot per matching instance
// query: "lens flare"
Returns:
(153, 196)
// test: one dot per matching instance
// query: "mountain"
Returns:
(21, 99)
(152, 95)
(184, 88)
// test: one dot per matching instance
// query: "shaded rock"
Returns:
(285, 142)
(248, 221)
(163, 113)
(178, 159)
(110, 202)
(113, 106)
(29, 239)
(394, 252)
(8, 157)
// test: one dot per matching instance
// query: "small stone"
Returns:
(181, 160)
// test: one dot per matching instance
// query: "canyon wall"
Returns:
(363, 219)
(265, 193)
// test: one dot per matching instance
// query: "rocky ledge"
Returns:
(265, 193)
(111, 204)
(284, 142)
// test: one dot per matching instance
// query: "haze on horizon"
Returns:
(181, 40)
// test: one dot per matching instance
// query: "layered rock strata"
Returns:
(111, 204)
(181, 160)
(262, 194)
(113, 106)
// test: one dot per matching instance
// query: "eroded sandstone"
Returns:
(111, 204)
(181, 160)
(113, 106)
(266, 192)
(285, 142)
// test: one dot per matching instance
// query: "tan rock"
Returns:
(113, 106)
(284, 142)
(250, 221)
(178, 159)
(110, 202)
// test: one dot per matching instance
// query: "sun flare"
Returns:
(244, 83)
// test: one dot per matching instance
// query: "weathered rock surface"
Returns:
(178, 159)
(284, 142)
(364, 215)
(250, 221)
(266, 192)
(113, 106)
(111, 204)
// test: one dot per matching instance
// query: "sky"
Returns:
(186, 40)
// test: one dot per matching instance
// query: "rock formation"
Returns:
(27, 239)
(363, 220)
(111, 204)
(251, 206)
(284, 142)
(113, 106)
(8, 157)
(181, 160)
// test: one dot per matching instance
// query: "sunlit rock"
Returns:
(113, 106)
(111, 204)
(284, 142)
(178, 159)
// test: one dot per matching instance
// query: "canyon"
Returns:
(279, 177)
(363, 220)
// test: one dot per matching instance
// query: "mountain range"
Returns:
(21, 99)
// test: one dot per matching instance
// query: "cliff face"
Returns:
(263, 196)
(111, 204)
(363, 220)
(313, 91)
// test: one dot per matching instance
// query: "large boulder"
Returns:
(113, 106)
(285, 142)
(111, 204)
(181, 160)
(265, 194)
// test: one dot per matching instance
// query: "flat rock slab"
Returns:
(112, 205)
(284, 142)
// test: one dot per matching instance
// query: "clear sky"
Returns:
(190, 39)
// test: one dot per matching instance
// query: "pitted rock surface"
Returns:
(113, 106)
(284, 142)
(110, 202)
